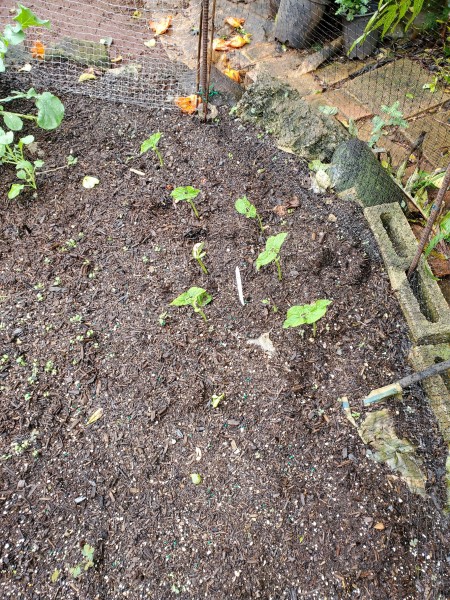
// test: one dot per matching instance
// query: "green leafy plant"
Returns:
(198, 254)
(87, 562)
(152, 144)
(270, 304)
(352, 8)
(388, 16)
(272, 253)
(49, 115)
(246, 208)
(195, 297)
(306, 314)
(50, 110)
(443, 235)
(13, 35)
(394, 118)
(12, 154)
(187, 193)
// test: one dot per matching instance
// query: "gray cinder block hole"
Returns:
(426, 305)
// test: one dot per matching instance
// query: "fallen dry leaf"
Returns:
(235, 22)
(293, 202)
(87, 75)
(233, 74)
(188, 104)
(38, 50)
(96, 415)
(220, 45)
(280, 210)
(379, 526)
(118, 59)
(440, 265)
(161, 26)
(237, 41)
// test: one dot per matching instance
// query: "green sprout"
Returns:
(306, 314)
(195, 297)
(152, 144)
(216, 399)
(87, 562)
(198, 253)
(196, 478)
(187, 193)
(246, 208)
(271, 253)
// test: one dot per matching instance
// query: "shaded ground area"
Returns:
(289, 506)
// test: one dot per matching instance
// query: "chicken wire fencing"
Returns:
(109, 49)
(308, 45)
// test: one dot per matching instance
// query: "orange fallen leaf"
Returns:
(238, 41)
(234, 22)
(233, 74)
(220, 45)
(380, 526)
(188, 104)
(38, 50)
(161, 26)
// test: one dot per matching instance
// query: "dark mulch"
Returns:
(289, 500)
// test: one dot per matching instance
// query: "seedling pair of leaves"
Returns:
(246, 208)
(186, 194)
(88, 561)
(306, 314)
(195, 297)
(151, 143)
(198, 254)
(272, 253)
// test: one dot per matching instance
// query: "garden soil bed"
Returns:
(289, 505)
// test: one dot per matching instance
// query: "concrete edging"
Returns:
(437, 388)
(424, 306)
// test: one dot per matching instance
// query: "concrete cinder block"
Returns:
(423, 304)
(437, 388)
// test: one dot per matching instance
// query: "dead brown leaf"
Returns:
(235, 22)
(188, 104)
(161, 26)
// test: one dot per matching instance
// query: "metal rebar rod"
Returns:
(435, 210)
(199, 48)
(213, 17)
(204, 76)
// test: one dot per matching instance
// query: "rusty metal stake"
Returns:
(435, 210)
(204, 57)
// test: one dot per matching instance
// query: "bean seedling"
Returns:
(198, 253)
(152, 144)
(246, 208)
(272, 252)
(187, 193)
(306, 314)
(216, 399)
(195, 297)
(88, 561)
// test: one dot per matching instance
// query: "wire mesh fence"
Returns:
(110, 49)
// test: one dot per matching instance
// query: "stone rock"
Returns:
(355, 167)
(230, 92)
(81, 52)
(297, 127)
